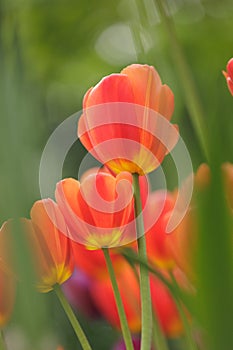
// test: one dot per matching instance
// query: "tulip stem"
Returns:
(159, 340)
(188, 334)
(120, 308)
(194, 105)
(72, 318)
(2, 341)
(146, 307)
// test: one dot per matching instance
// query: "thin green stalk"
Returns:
(191, 95)
(120, 308)
(72, 318)
(130, 255)
(159, 340)
(146, 331)
(158, 337)
(188, 333)
(175, 291)
(2, 341)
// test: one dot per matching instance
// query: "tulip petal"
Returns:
(113, 88)
(146, 84)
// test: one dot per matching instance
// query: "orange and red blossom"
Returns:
(125, 122)
(49, 243)
(229, 75)
(99, 209)
(7, 276)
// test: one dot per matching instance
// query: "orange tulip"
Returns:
(7, 277)
(229, 75)
(50, 245)
(125, 122)
(99, 210)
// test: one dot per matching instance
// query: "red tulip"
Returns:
(50, 246)
(125, 122)
(7, 277)
(99, 210)
(229, 75)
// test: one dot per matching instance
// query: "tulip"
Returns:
(7, 277)
(92, 262)
(99, 210)
(229, 75)
(125, 122)
(49, 244)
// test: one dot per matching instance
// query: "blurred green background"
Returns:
(51, 52)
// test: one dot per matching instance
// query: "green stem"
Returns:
(188, 333)
(158, 336)
(130, 255)
(72, 318)
(146, 331)
(193, 102)
(2, 341)
(120, 308)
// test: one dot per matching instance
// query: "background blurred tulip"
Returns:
(229, 75)
(77, 290)
(160, 205)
